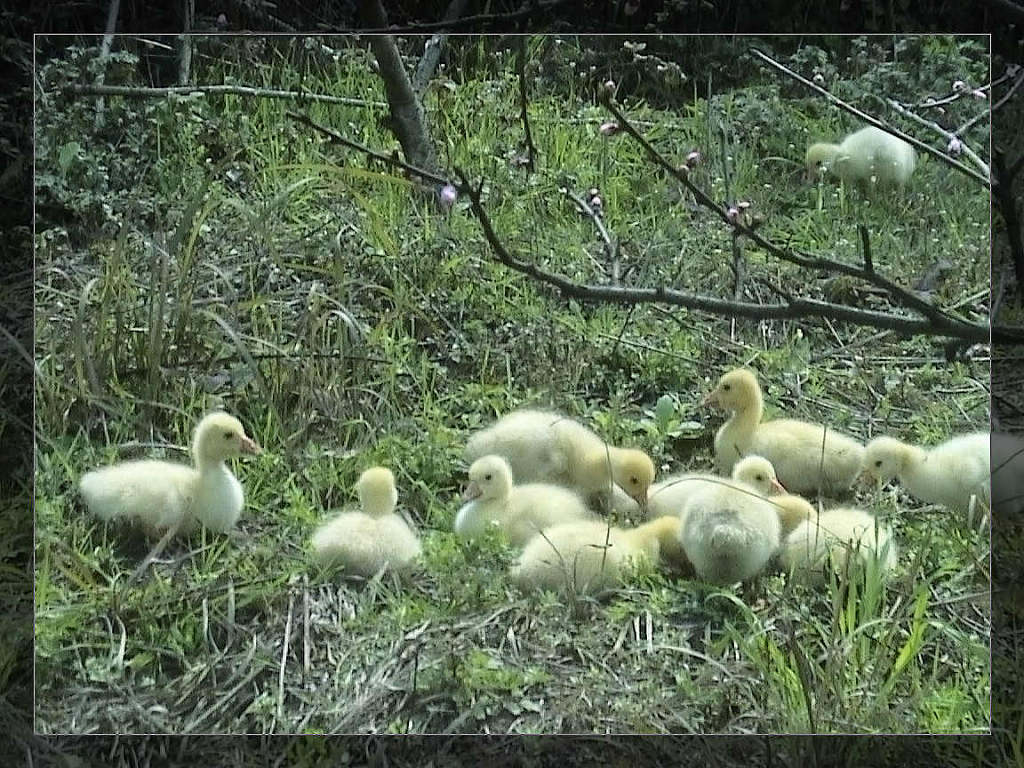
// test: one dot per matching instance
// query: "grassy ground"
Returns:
(348, 323)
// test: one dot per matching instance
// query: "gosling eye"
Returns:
(228, 435)
(878, 463)
(487, 477)
(725, 387)
(760, 477)
(634, 481)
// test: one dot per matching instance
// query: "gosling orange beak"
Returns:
(248, 445)
(779, 487)
(472, 492)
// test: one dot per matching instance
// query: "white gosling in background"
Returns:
(947, 474)
(370, 539)
(519, 511)
(793, 447)
(869, 155)
(158, 495)
(548, 447)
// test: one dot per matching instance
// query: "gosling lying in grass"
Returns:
(729, 533)
(548, 447)
(589, 557)
(519, 511)
(373, 538)
(833, 537)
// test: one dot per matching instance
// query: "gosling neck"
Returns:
(205, 462)
(741, 425)
(596, 468)
(378, 506)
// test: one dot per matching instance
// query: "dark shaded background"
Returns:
(18, 746)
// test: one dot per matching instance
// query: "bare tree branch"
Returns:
(337, 138)
(432, 51)
(1007, 202)
(474, 23)
(1010, 8)
(947, 135)
(935, 322)
(995, 107)
(794, 308)
(610, 248)
(108, 39)
(130, 92)
(871, 120)
(185, 55)
(406, 111)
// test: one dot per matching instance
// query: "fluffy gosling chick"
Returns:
(833, 536)
(589, 557)
(519, 511)
(793, 510)
(548, 447)
(869, 156)
(793, 447)
(158, 495)
(729, 533)
(372, 539)
(948, 474)
(668, 496)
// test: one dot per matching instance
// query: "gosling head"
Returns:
(220, 436)
(884, 459)
(376, 491)
(736, 390)
(758, 472)
(818, 155)
(633, 472)
(793, 510)
(490, 477)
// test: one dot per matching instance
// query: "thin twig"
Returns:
(284, 657)
(587, 209)
(471, 22)
(132, 92)
(865, 243)
(387, 159)
(531, 150)
(947, 135)
(432, 50)
(1007, 201)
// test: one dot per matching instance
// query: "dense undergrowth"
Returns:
(206, 250)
